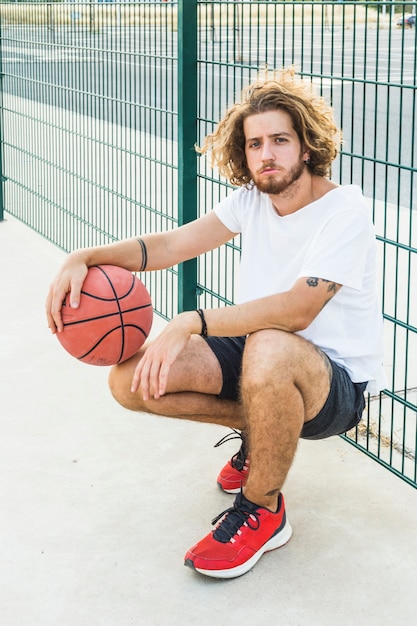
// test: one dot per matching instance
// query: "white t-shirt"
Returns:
(332, 238)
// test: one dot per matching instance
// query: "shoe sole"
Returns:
(277, 541)
(236, 490)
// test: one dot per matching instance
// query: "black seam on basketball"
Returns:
(137, 328)
(99, 342)
(100, 317)
(83, 356)
(91, 295)
(120, 312)
(132, 286)
(95, 297)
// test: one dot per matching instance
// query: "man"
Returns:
(293, 358)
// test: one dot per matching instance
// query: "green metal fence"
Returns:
(102, 103)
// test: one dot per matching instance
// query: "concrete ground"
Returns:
(99, 504)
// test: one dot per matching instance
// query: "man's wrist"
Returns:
(79, 256)
(188, 322)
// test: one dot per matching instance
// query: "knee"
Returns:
(269, 356)
(119, 384)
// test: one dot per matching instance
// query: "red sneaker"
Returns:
(244, 533)
(234, 474)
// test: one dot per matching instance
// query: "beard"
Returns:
(275, 185)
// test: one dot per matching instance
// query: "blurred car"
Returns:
(407, 21)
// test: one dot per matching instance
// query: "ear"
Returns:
(306, 156)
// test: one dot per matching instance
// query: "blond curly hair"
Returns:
(312, 119)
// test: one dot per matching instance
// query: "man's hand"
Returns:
(151, 373)
(69, 279)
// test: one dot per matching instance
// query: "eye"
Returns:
(281, 140)
(254, 144)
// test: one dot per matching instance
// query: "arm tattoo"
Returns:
(313, 282)
(332, 288)
(144, 254)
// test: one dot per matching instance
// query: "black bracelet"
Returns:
(203, 323)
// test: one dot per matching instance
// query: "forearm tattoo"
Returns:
(144, 254)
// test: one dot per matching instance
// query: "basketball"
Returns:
(113, 319)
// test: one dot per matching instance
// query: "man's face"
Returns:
(273, 151)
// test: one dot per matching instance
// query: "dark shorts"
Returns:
(341, 412)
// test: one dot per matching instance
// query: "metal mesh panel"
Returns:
(89, 124)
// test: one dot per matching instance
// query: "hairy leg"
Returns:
(194, 382)
(285, 383)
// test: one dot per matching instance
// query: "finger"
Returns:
(75, 293)
(55, 312)
(144, 381)
(163, 378)
(49, 317)
(136, 377)
(154, 374)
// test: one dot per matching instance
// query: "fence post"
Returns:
(2, 178)
(187, 135)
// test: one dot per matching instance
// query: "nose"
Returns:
(267, 154)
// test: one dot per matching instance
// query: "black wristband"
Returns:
(203, 323)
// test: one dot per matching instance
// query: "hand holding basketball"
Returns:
(113, 319)
(69, 281)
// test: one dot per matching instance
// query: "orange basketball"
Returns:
(113, 319)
